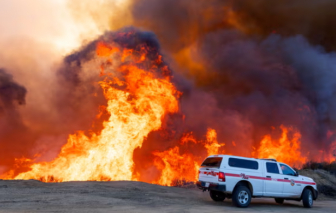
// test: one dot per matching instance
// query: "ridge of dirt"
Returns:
(326, 182)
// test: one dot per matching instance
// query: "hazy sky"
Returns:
(46, 21)
(35, 36)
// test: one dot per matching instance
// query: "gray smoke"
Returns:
(276, 68)
(11, 93)
(12, 129)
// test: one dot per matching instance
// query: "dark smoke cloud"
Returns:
(314, 19)
(264, 63)
(262, 84)
(10, 91)
(181, 22)
(12, 95)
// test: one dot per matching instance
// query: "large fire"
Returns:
(284, 149)
(137, 101)
(175, 166)
(139, 93)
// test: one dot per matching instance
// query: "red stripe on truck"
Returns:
(232, 175)
(259, 178)
(304, 182)
(264, 178)
(256, 177)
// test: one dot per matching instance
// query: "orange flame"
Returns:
(328, 156)
(188, 137)
(211, 144)
(135, 111)
(175, 166)
(284, 150)
(332, 155)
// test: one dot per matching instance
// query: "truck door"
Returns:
(273, 187)
(291, 187)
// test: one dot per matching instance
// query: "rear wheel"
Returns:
(241, 197)
(307, 198)
(279, 200)
(217, 196)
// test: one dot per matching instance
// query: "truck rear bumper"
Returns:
(212, 186)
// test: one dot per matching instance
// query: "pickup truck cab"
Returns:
(242, 179)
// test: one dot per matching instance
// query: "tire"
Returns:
(241, 197)
(279, 200)
(307, 198)
(217, 196)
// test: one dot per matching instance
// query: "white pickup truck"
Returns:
(241, 179)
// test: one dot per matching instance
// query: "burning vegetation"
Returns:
(134, 110)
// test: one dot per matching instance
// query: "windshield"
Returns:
(212, 162)
(286, 170)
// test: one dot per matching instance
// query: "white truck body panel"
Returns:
(266, 177)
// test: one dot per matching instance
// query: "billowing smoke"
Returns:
(313, 19)
(255, 65)
(11, 92)
(179, 23)
(12, 95)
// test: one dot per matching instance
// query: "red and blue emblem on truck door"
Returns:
(292, 182)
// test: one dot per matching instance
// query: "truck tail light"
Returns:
(221, 177)
(199, 172)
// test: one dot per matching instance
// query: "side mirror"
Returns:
(296, 172)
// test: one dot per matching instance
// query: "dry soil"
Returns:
(128, 196)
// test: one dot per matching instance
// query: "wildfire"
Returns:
(284, 149)
(139, 94)
(212, 144)
(137, 100)
(175, 166)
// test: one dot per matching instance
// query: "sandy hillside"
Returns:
(326, 183)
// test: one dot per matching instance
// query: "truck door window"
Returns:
(286, 170)
(242, 163)
(272, 168)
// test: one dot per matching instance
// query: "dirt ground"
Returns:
(128, 196)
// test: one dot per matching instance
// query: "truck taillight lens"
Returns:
(199, 172)
(221, 177)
